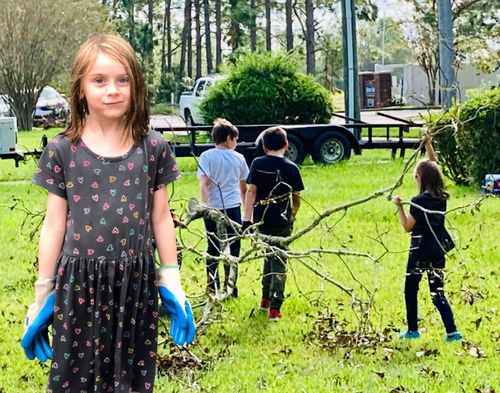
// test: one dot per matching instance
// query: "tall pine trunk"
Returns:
(289, 21)
(197, 22)
(253, 26)
(150, 47)
(267, 5)
(168, 12)
(163, 67)
(208, 39)
(310, 36)
(131, 22)
(186, 42)
(189, 41)
(218, 34)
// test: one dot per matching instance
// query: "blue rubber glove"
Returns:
(35, 341)
(182, 328)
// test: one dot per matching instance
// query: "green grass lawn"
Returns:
(311, 349)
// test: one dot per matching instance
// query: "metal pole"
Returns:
(446, 54)
(349, 44)
(383, 39)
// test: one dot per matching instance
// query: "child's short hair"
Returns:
(274, 138)
(222, 130)
(137, 116)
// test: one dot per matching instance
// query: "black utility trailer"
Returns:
(326, 143)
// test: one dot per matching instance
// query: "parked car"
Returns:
(51, 107)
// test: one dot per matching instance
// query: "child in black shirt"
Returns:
(272, 180)
(426, 223)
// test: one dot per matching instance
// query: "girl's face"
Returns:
(106, 87)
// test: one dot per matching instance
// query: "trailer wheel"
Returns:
(295, 151)
(188, 118)
(331, 148)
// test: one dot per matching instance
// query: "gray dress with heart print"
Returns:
(106, 309)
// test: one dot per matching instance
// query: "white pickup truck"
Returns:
(190, 100)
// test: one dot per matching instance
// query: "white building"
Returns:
(410, 82)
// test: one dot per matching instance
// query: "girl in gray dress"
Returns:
(98, 285)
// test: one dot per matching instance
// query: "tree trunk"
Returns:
(163, 37)
(432, 85)
(169, 35)
(234, 33)
(186, 39)
(208, 40)
(267, 5)
(310, 36)
(253, 27)
(150, 47)
(218, 34)
(189, 41)
(23, 105)
(428, 62)
(289, 21)
(131, 22)
(197, 17)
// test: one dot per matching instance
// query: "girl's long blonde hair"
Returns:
(137, 116)
(431, 178)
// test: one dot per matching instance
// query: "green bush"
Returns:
(479, 136)
(444, 128)
(468, 137)
(267, 89)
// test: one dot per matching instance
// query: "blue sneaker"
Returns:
(456, 336)
(408, 334)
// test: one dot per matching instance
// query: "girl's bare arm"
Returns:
(429, 148)
(163, 228)
(52, 235)
(407, 220)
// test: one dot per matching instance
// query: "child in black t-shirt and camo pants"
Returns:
(273, 197)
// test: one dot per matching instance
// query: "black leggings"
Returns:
(436, 286)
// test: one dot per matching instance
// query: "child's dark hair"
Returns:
(222, 130)
(431, 178)
(274, 138)
(137, 116)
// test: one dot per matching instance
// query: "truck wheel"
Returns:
(331, 148)
(188, 118)
(296, 151)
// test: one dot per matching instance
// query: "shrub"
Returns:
(267, 89)
(479, 136)
(444, 127)
(468, 137)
